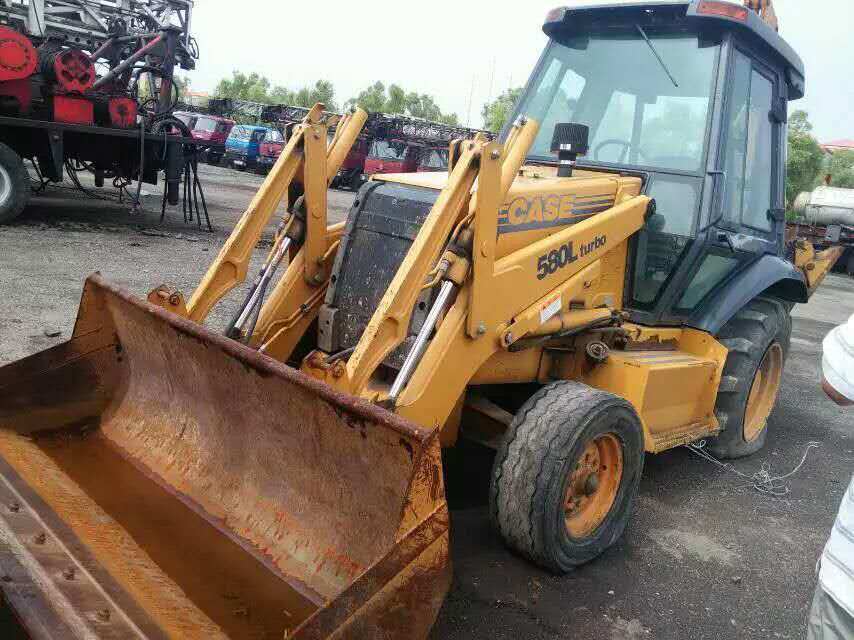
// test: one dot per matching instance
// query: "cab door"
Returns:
(748, 219)
(754, 189)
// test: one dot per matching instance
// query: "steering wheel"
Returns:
(612, 141)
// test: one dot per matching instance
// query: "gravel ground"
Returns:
(705, 556)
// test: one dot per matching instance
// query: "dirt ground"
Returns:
(705, 555)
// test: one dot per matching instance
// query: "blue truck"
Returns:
(243, 146)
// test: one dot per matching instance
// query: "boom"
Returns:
(765, 9)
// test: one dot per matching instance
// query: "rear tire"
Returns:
(14, 184)
(566, 475)
(758, 339)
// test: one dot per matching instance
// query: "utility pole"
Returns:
(491, 80)
(471, 97)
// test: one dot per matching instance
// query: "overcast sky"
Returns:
(464, 52)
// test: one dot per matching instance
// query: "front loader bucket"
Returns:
(158, 480)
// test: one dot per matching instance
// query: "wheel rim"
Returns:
(592, 486)
(5, 186)
(763, 393)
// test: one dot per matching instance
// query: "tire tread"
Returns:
(747, 336)
(535, 444)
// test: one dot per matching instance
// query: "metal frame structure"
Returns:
(90, 23)
(124, 35)
(378, 125)
(134, 44)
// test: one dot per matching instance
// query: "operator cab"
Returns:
(692, 97)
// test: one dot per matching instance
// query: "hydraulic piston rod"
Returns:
(443, 301)
(256, 295)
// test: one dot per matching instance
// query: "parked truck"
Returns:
(243, 146)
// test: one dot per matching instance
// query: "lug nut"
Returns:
(14, 507)
(104, 615)
(69, 574)
(40, 538)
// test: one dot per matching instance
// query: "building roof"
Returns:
(839, 144)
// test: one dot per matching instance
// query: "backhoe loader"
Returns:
(608, 280)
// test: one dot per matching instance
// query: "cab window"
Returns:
(206, 124)
(642, 112)
(240, 133)
(388, 150)
(749, 147)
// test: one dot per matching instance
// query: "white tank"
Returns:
(827, 205)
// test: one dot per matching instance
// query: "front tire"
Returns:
(758, 339)
(14, 184)
(566, 475)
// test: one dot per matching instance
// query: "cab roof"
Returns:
(583, 15)
(253, 127)
(210, 116)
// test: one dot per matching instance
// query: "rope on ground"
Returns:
(762, 481)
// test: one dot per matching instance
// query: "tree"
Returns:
(373, 99)
(322, 91)
(799, 123)
(806, 157)
(842, 169)
(257, 88)
(394, 99)
(252, 87)
(497, 113)
(397, 100)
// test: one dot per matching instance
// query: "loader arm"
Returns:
(306, 156)
(292, 305)
(499, 301)
(520, 304)
(387, 329)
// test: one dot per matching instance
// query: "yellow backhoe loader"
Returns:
(609, 280)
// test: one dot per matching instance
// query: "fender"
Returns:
(769, 275)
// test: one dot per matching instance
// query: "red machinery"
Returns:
(18, 61)
(18, 57)
(123, 112)
(71, 69)
(58, 111)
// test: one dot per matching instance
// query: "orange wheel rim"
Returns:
(594, 481)
(763, 393)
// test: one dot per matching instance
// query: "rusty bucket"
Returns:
(158, 480)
